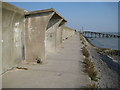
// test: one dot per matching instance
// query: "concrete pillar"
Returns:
(88, 34)
(103, 35)
(91, 35)
(107, 35)
(99, 35)
(95, 35)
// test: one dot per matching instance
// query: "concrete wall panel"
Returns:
(35, 36)
(51, 36)
(28, 35)
(0, 38)
(12, 27)
(67, 32)
(59, 37)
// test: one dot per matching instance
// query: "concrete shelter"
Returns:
(28, 36)
(40, 33)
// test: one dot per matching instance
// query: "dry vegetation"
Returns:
(85, 52)
(89, 65)
(115, 54)
(82, 39)
(108, 51)
(22, 68)
(90, 69)
(93, 86)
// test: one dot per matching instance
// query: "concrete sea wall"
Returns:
(67, 32)
(0, 38)
(29, 35)
(12, 28)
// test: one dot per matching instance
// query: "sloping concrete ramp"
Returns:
(62, 70)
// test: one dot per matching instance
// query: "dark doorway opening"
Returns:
(23, 48)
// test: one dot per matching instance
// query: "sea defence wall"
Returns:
(12, 29)
(0, 40)
(67, 32)
(27, 36)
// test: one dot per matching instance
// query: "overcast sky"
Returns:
(93, 16)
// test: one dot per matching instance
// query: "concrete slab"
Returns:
(62, 70)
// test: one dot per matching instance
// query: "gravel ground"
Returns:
(108, 78)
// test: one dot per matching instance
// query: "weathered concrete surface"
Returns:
(0, 37)
(35, 36)
(67, 32)
(59, 38)
(0, 44)
(54, 34)
(63, 70)
(12, 27)
(24, 34)
(51, 36)
(40, 33)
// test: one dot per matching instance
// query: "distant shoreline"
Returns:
(115, 58)
(106, 67)
(89, 42)
(106, 43)
(112, 50)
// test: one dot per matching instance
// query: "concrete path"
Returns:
(63, 70)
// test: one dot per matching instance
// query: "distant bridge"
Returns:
(90, 34)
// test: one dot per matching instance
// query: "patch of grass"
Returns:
(85, 52)
(101, 49)
(81, 38)
(89, 68)
(82, 42)
(93, 86)
(105, 51)
(88, 63)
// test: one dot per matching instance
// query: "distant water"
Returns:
(110, 43)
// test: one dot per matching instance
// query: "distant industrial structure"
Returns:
(30, 36)
(91, 34)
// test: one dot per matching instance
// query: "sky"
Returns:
(92, 16)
